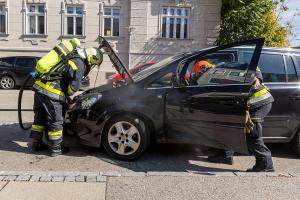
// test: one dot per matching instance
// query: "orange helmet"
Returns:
(201, 66)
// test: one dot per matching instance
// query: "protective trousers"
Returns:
(256, 145)
(48, 117)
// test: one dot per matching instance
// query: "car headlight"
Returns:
(89, 101)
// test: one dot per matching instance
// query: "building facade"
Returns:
(139, 30)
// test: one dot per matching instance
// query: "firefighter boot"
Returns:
(38, 145)
(59, 150)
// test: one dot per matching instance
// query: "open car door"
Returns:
(210, 109)
(114, 58)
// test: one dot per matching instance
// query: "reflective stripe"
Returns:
(259, 93)
(55, 133)
(259, 98)
(61, 50)
(257, 120)
(47, 93)
(63, 46)
(37, 128)
(71, 91)
(73, 65)
(48, 87)
(52, 138)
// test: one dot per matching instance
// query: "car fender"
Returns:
(140, 111)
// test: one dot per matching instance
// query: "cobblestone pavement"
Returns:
(93, 177)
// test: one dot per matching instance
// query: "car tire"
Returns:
(7, 82)
(296, 143)
(125, 138)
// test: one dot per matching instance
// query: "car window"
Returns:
(296, 60)
(27, 62)
(140, 69)
(9, 61)
(272, 67)
(154, 68)
(227, 66)
(290, 69)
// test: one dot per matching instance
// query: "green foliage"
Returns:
(249, 19)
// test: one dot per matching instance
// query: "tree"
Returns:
(249, 19)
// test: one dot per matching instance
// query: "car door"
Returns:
(23, 67)
(211, 111)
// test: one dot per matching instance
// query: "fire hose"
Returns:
(23, 126)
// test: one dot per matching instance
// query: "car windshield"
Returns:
(153, 68)
(140, 68)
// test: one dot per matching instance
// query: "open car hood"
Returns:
(120, 67)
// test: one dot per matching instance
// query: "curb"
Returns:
(94, 177)
(51, 176)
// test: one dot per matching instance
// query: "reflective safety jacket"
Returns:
(67, 85)
(259, 97)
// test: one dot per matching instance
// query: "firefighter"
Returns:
(199, 68)
(259, 104)
(51, 96)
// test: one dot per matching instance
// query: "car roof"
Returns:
(276, 50)
(265, 49)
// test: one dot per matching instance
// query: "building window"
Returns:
(36, 19)
(175, 22)
(74, 20)
(111, 22)
(3, 18)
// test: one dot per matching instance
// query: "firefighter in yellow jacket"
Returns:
(53, 92)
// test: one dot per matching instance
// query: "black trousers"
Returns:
(48, 117)
(255, 143)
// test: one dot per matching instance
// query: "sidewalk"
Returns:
(52, 191)
(72, 185)
(52, 185)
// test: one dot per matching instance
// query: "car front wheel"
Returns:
(125, 138)
(7, 82)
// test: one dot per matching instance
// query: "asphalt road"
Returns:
(15, 155)
(9, 101)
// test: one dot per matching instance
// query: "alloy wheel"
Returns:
(7, 82)
(124, 138)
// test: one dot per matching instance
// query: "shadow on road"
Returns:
(166, 157)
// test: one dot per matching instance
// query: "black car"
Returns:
(15, 69)
(154, 106)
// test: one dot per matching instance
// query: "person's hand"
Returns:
(256, 83)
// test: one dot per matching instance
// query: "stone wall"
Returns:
(139, 39)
